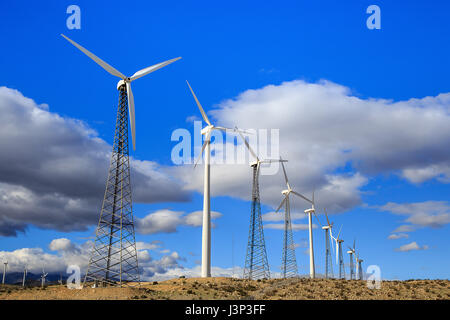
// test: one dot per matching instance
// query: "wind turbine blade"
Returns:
(99, 61)
(207, 137)
(281, 204)
(326, 215)
(132, 114)
(223, 128)
(152, 68)
(331, 239)
(339, 231)
(205, 117)
(272, 160)
(247, 144)
(354, 244)
(301, 196)
(285, 175)
(315, 215)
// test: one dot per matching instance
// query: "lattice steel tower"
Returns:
(114, 257)
(360, 269)
(352, 269)
(341, 260)
(328, 262)
(289, 262)
(256, 265)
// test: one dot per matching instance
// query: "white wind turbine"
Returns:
(286, 194)
(359, 269)
(5, 265)
(310, 212)
(43, 276)
(328, 237)
(351, 252)
(206, 228)
(125, 81)
(261, 270)
(339, 254)
(25, 271)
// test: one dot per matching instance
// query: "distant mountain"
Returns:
(32, 278)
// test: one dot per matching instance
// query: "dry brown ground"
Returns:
(238, 289)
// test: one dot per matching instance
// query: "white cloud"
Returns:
(405, 228)
(323, 129)
(195, 219)
(62, 244)
(434, 214)
(168, 221)
(411, 247)
(156, 244)
(295, 226)
(53, 170)
(396, 236)
(68, 253)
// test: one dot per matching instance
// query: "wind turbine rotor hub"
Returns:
(206, 129)
(254, 164)
(286, 192)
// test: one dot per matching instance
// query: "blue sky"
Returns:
(227, 49)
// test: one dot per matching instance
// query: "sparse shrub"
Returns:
(155, 282)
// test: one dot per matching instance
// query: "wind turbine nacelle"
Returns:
(253, 164)
(350, 252)
(309, 210)
(120, 84)
(326, 227)
(206, 129)
(286, 192)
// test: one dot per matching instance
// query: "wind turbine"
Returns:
(206, 229)
(43, 276)
(256, 264)
(125, 81)
(310, 212)
(114, 255)
(5, 264)
(288, 228)
(351, 252)
(359, 270)
(339, 254)
(328, 237)
(25, 271)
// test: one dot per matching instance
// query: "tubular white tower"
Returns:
(312, 269)
(24, 276)
(5, 264)
(206, 231)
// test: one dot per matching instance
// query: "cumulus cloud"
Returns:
(334, 142)
(68, 253)
(168, 221)
(411, 247)
(295, 226)
(53, 170)
(396, 236)
(434, 214)
(35, 259)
